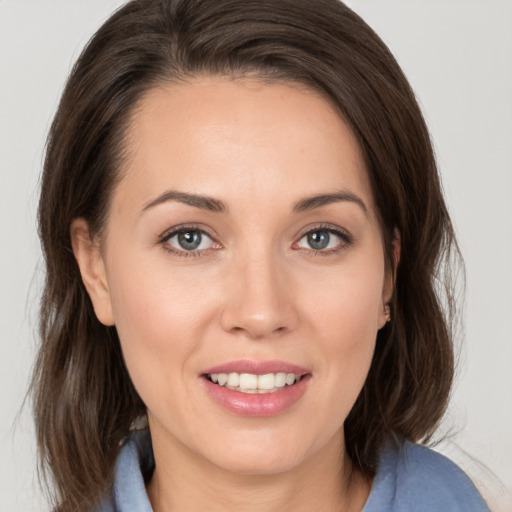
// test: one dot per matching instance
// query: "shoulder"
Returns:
(415, 478)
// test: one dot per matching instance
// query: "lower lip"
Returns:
(264, 405)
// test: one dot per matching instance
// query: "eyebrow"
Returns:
(196, 200)
(316, 201)
(214, 205)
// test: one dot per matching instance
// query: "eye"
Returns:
(323, 239)
(188, 240)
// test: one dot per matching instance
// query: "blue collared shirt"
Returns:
(412, 478)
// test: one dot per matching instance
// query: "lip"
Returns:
(257, 367)
(256, 405)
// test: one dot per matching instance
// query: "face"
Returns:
(242, 265)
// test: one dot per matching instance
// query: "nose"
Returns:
(259, 302)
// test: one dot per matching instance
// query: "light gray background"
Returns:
(458, 56)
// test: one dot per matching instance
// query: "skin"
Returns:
(255, 289)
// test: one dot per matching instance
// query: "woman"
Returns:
(243, 224)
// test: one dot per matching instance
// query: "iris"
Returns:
(318, 239)
(189, 240)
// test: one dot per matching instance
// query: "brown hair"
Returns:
(83, 398)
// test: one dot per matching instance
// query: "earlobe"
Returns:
(92, 269)
(390, 278)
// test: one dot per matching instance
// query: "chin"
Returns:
(261, 463)
(259, 455)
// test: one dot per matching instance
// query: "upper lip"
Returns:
(257, 367)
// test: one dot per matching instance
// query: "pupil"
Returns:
(318, 239)
(189, 240)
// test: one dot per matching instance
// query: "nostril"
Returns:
(258, 332)
(258, 319)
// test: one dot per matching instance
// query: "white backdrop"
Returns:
(458, 57)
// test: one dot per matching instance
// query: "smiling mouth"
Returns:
(254, 384)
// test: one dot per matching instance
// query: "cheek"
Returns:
(152, 303)
(159, 319)
(346, 320)
(348, 303)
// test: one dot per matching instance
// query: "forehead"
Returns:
(265, 141)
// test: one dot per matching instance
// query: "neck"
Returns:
(326, 481)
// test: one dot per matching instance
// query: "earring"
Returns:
(387, 312)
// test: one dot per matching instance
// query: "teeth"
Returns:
(248, 381)
(233, 380)
(280, 380)
(266, 381)
(254, 384)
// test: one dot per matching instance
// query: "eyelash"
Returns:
(346, 240)
(165, 237)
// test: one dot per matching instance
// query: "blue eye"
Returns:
(189, 240)
(318, 240)
(322, 240)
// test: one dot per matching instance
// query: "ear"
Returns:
(389, 279)
(92, 269)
